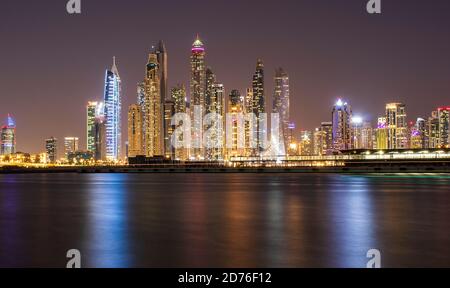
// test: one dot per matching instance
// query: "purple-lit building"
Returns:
(8, 137)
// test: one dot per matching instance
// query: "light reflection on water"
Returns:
(224, 220)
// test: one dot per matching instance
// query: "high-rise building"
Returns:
(323, 139)
(179, 98)
(281, 104)
(153, 118)
(362, 134)
(342, 115)
(235, 139)
(91, 110)
(169, 111)
(259, 103)
(113, 110)
(51, 148)
(327, 128)
(161, 53)
(433, 131)
(397, 126)
(197, 95)
(70, 145)
(444, 127)
(422, 130)
(306, 147)
(214, 126)
(8, 137)
(100, 138)
(381, 134)
(135, 131)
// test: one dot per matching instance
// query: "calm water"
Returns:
(224, 220)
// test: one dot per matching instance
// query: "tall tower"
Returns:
(444, 127)
(91, 111)
(113, 109)
(179, 99)
(235, 109)
(197, 95)
(134, 130)
(214, 134)
(162, 57)
(397, 126)
(70, 145)
(281, 104)
(51, 148)
(342, 115)
(8, 137)
(258, 101)
(153, 119)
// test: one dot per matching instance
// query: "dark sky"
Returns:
(52, 63)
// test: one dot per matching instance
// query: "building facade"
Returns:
(342, 132)
(135, 137)
(8, 137)
(397, 126)
(112, 112)
(281, 104)
(51, 148)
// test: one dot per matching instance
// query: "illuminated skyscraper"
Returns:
(113, 109)
(169, 111)
(397, 126)
(323, 139)
(258, 102)
(306, 147)
(51, 148)
(135, 131)
(100, 137)
(8, 137)
(70, 145)
(209, 92)
(381, 134)
(444, 127)
(197, 95)
(433, 131)
(281, 104)
(153, 118)
(234, 135)
(179, 98)
(91, 109)
(214, 125)
(342, 115)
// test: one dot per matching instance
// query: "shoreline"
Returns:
(348, 169)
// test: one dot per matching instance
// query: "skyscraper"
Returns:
(8, 137)
(214, 134)
(342, 115)
(235, 110)
(197, 96)
(91, 110)
(433, 130)
(381, 134)
(153, 118)
(113, 108)
(169, 111)
(70, 145)
(162, 57)
(135, 131)
(281, 104)
(100, 138)
(51, 148)
(444, 127)
(397, 126)
(259, 103)
(179, 98)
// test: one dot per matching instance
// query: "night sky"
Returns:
(52, 63)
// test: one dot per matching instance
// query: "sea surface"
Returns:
(224, 220)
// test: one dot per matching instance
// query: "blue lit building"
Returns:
(113, 107)
(8, 137)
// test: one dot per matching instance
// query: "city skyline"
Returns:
(313, 82)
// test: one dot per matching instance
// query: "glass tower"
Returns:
(113, 106)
